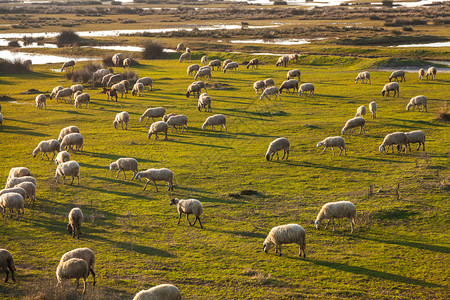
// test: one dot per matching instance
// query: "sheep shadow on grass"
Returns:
(20, 130)
(423, 246)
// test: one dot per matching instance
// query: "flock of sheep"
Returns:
(80, 262)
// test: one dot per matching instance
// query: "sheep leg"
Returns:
(73, 178)
(323, 150)
(179, 218)
(165, 138)
(93, 273)
(146, 185)
(278, 157)
(124, 176)
(351, 220)
(327, 223)
(78, 180)
(201, 226)
(279, 246)
(53, 155)
(7, 273)
(134, 175)
(333, 224)
(84, 285)
(284, 153)
(332, 148)
(187, 218)
(154, 182)
(77, 283)
(64, 179)
(118, 174)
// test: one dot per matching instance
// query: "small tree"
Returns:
(67, 37)
(153, 50)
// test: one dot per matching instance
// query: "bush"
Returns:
(13, 44)
(443, 114)
(12, 67)
(107, 61)
(84, 75)
(407, 28)
(67, 38)
(153, 50)
(388, 3)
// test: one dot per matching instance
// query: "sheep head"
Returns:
(174, 201)
(267, 245)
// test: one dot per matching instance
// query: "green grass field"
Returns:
(400, 248)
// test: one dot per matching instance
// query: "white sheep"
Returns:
(431, 72)
(204, 60)
(339, 210)
(156, 112)
(99, 74)
(276, 145)
(268, 92)
(66, 130)
(127, 63)
(146, 81)
(373, 109)
(393, 86)
(1, 118)
(68, 168)
(153, 175)
(204, 101)
(360, 111)
(83, 98)
(178, 120)
(192, 69)
(289, 84)
(396, 138)
(46, 147)
(159, 292)
(116, 78)
(416, 136)
(61, 157)
(258, 85)
(417, 101)
(226, 62)
(215, 63)
(30, 190)
(7, 262)
(396, 74)
(126, 84)
(12, 182)
(306, 87)
(76, 218)
(333, 141)
(85, 254)
(68, 64)
(41, 101)
(201, 84)
(117, 58)
(231, 66)
(16, 189)
(72, 139)
(202, 73)
(138, 89)
(364, 77)
(106, 78)
(19, 172)
(269, 82)
(120, 88)
(293, 73)
(282, 61)
(188, 206)
(166, 117)
(286, 234)
(180, 47)
(193, 89)
(28, 64)
(122, 117)
(421, 74)
(293, 57)
(185, 56)
(159, 126)
(12, 201)
(55, 91)
(76, 87)
(66, 92)
(215, 120)
(125, 164)
(254, 63)
(354, 123)
(73, 268)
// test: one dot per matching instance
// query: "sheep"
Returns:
(127, 63)
(431, 72)
(55, 91)
(353, 123)
(282, 61)
(120, 88)
(286, 234)
(339, 210)
(68, 64)
(204, 101)
(215, 120)
(254, 63)
(269, 82)
(76, 87)
(226, 62)
(166, 117)
(202, 73)
(138, 89)
(68, 168)
(361, 111)
(396, 138)
(30, 190)
(192, 69)
(289, 84)
(152, 113)
(293, 57)
(12, 201)
(73, 268)
(201, 84)
(421, 74)
(193, 89)
(333, 141)
(122, 117)
(231, 66)
(12, 182)
(110, 94)
(373, 109)
(364, 77)
(178, 120)
(16, 189)
(215, 63)
(268, 92)
(159, 292)
(72, 139)
(66, 92)
(416, 101)
(106, 78)
(185, 56)
(7, 262)
(117, 58)
(1, 118)
(204, 60)
(306, 87)
(28, 64)
(126, 84)
(75, 220)
(276, 145)
(393, 86)
(116, 78)
(417, 136)
(83, 98)
(188, 206)
(154, 175)
(396, 74)
(258, 85)
(180, 47)
(85, 254)
(99, 74)
(76, 94)
(293, 73)
(47, 146)
(159, 126)
(61, 157)
(187, 50)
(41, 101)
(125, 164)
(146, 81)
(19, 172)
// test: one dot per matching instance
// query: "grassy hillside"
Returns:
(400, 248)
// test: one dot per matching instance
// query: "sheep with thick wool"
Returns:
(185, 56)
(76, 218)
(13, 201)
(201, 84)
(373, 109)
(68, 64)
(226, 62)
(30, 190)
(431, 72)
(166, 117)
(396, 74)
(68, 168)
(360, 111)
(193, 89)
(138, 89)
(288, 85)
(416, 136)
(180, 47)
(421, 74)
(204, 101)
(152, 112)
(12, 182)
(364, 77)
(333, 141)
(66, 130)
(115, 79)
(354, 123)
(121, 118)
(117, 58)
(417, 101)
(72, 139)
(188, 206)
(120, 88)
(192, 69)
(215, 63)
(18, 172)
(85, 254)
(178, 120)
(41, 101)
(153, 175)
(49, 146)
(61, 94)
(76, 87)
(270, 91)
(231, 66)
(159, 292)
(338, 210)
(269, 82)
(293, 57)
(276, 145)
(127, 63)
(395, 138)
(55, 91)
(215, 120)
(99, 74)
(286, 234)
(254, 63)
(73, 268)
(81, 99)
(159, 126)
(7, 262)
(204, 60)
(203, 73)
(293, 73)
(125, 164)
(15, 189)
(146, 81)
(106, 78)
(306, 87)
(392, 86)
(61, 157)
(282, 61)
(258, 85)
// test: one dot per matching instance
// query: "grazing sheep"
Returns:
(19, 172)
(364, 77)
(116, 78)
(188, 206)
(159, 126)
(122, 117)
(30, 190)
(68, 64)
(226, 62)
(46, 147)
(28, 64)
(373, 109)
(117, 58)
(1, 118)
(138, 89)
(282, 61)
(55, 91)
(99, 74)
(354, 123)
(306, 87)
(125, 164)
(106, 78)
(188, 49)
(41, 101)
(127, 63)
(146, 81)
(75, 220)
(81, 99)
(276, 145)
(16, 189)
(215, 63)
(154, 175)
(72, 139)
(333, 141)
(293, 73)
(286, 234)
(12, 201)
(215, 120)
(180, 47)
(178, 120)
(396, 138)
(156, 112)
(201, 84)
(339, 210)
(231, 66)
(268, 92)
(204, 101)
(166, 117)
(62, 156)
(126, 84)
(416, 136)
(12, 182)
(289, 84)
(431, 72)
(159, 292)
(396, 74)
(193, 89)
(416, 101)
(73, 268)
(61, 94)
(185, 56)
(421, 74)
(202, 73)
(85, 254)
(66, 130)
(110, 94)
(254, 63)
(258, 85)
(192, 69)
(361, 111)
(68, 168)
(7, 262)
(76, 87)
(269, 82)
(393, 86)
(293, 57)
(204, 60)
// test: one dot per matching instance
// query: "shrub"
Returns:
(407, 28)
(107, 61)
(388, 3)
(13, 44)
(67, 37)
(11, 67)
(84, 75)
(443, 114)
(153, 50)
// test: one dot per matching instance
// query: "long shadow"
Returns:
(125, 194)
(190, 189)
(441, 249)
(26, 122)
(73, 112)
(373, 273)
(21, 130)
(240, 233)
(118, 180)
(91, 166)
(383, 160)
(419, 123)
(216, 200)
(203, 145)
(113, 157)
(314, 165)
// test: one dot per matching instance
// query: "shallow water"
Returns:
(332, 2)
(4, 43)
(272, 41)
(124, 48)
(39, 59)
(438, 44)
